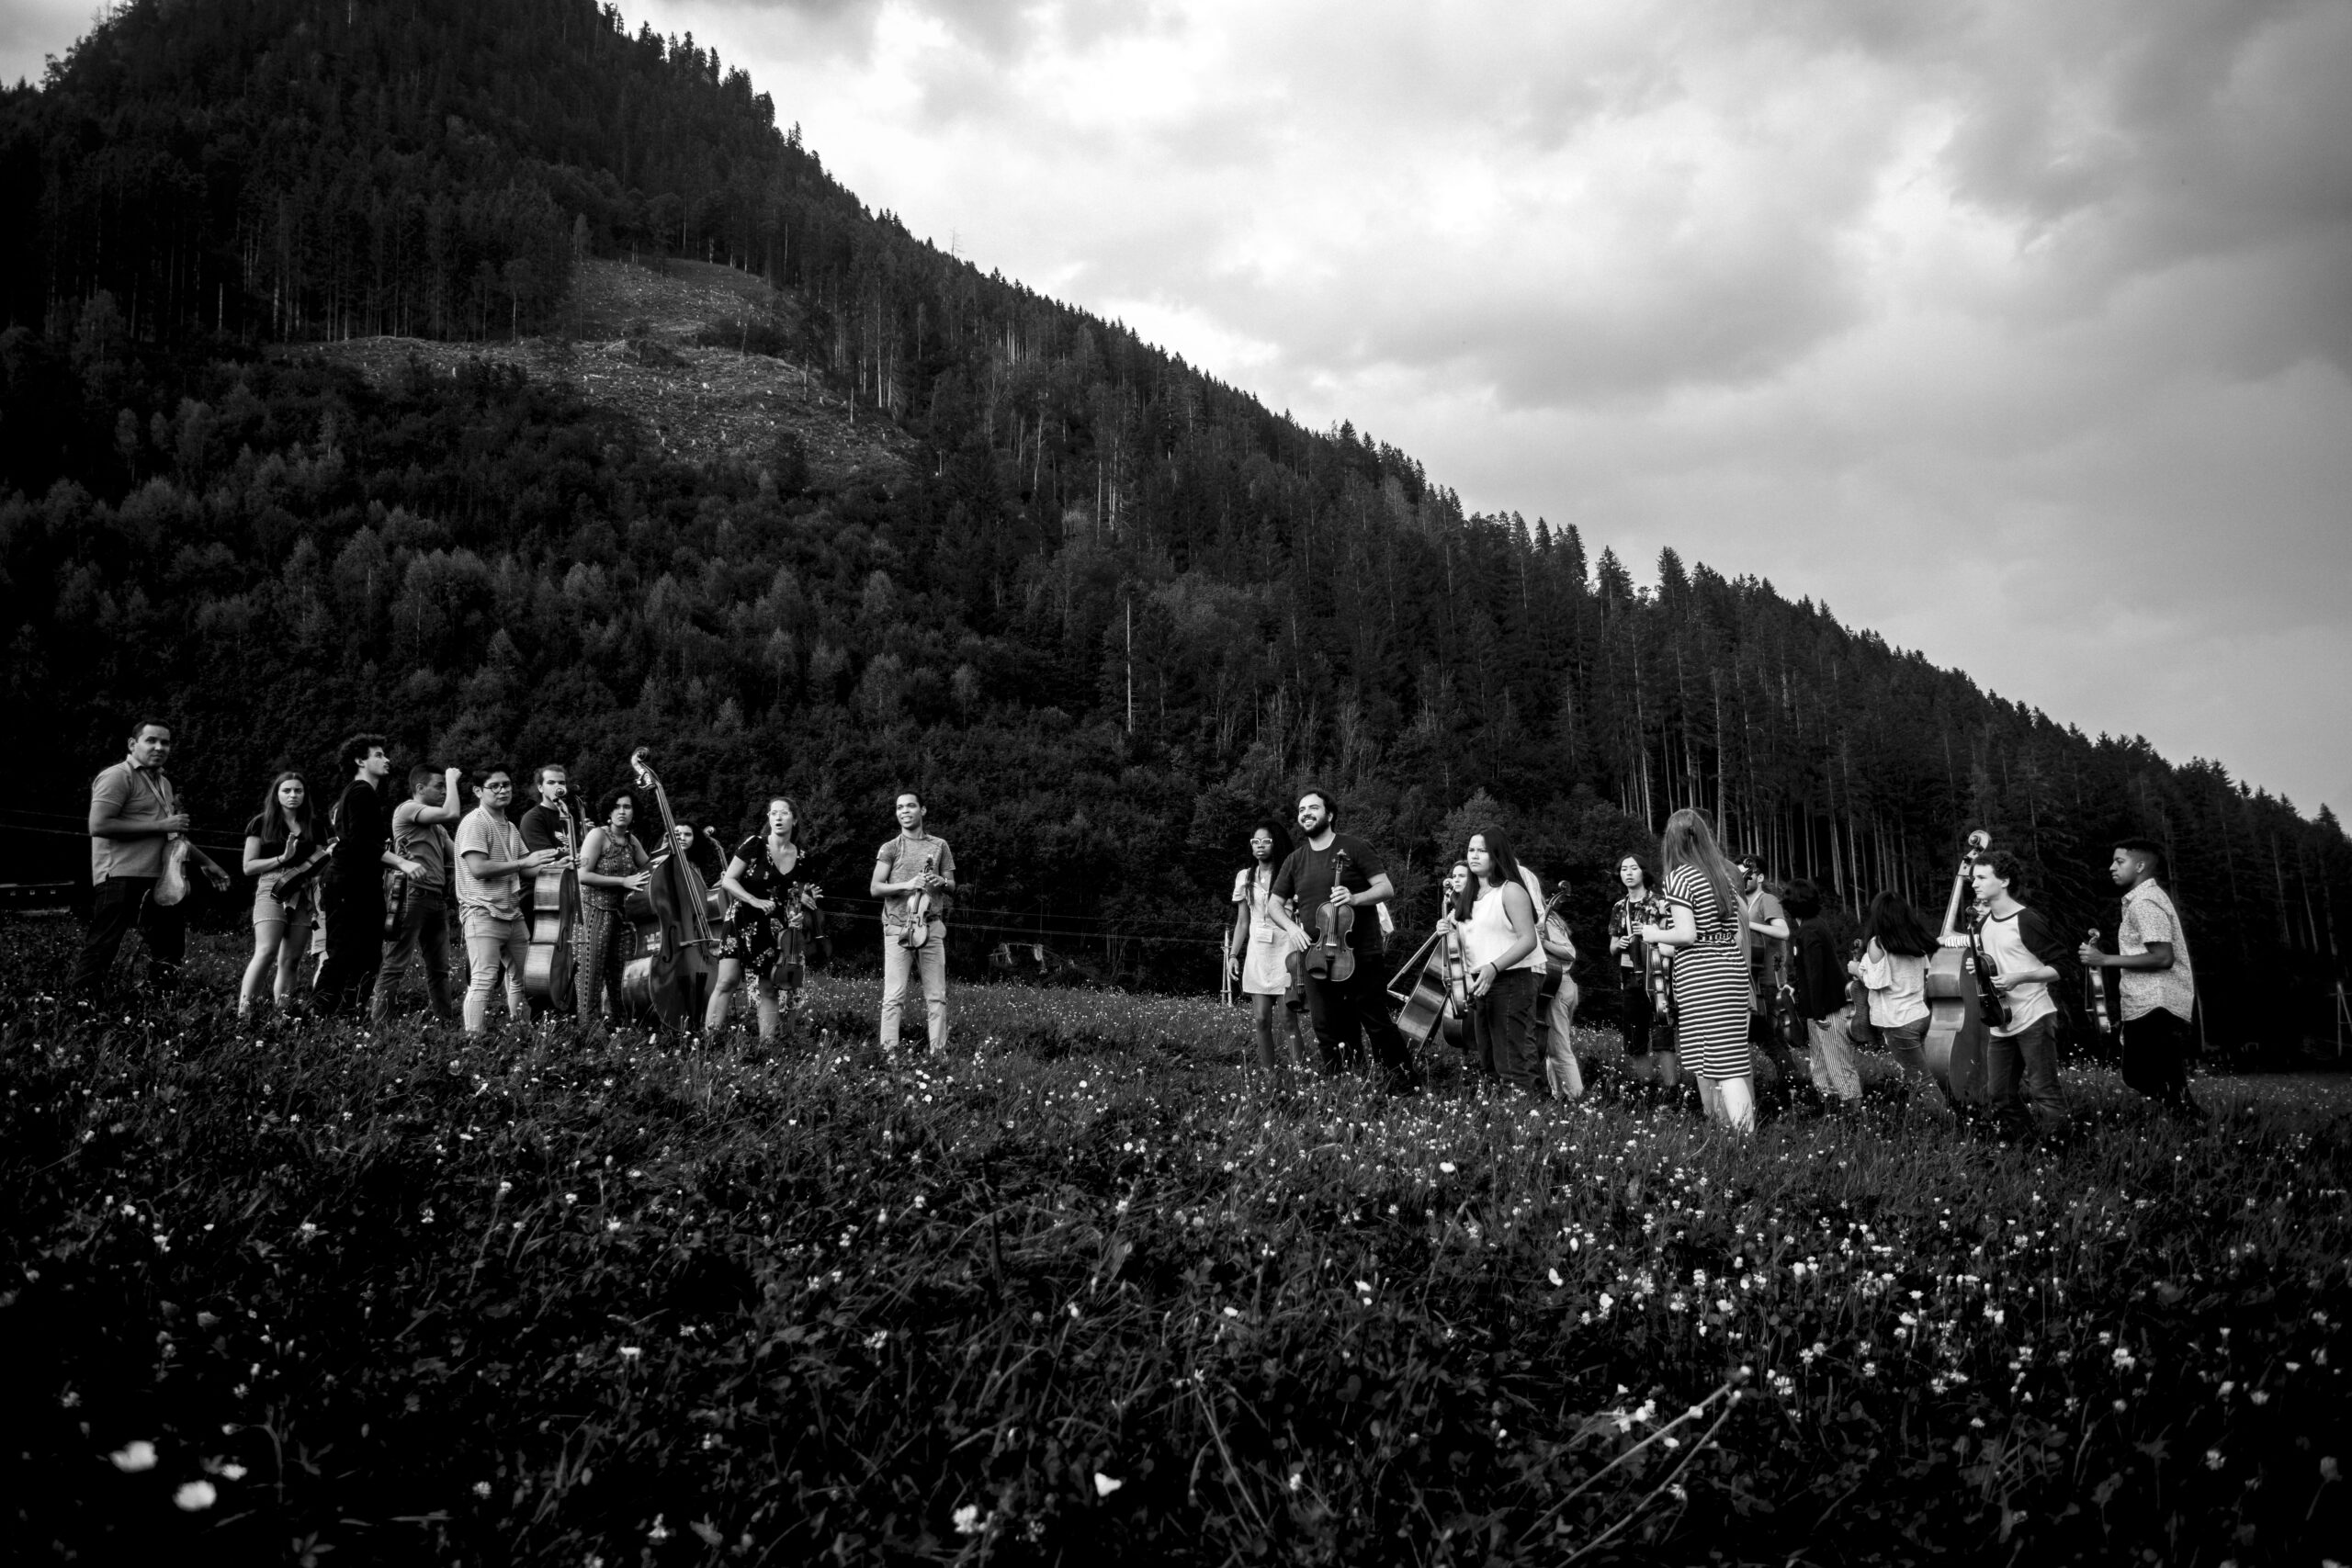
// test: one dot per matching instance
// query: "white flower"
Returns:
(232, 1471)
(196, 1497)
(482, 1488)
(133, 1458)
(1446, 1166)
(1554, 1275)
(630, 1353)
(968, 1520)
(1105, 1486)
(660, 1530)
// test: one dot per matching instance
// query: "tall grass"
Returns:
(1079, 1289)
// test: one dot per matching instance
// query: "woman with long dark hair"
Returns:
(765, 925)
(281, 846)
(613, 865)
(1505, 962)
(1649, 1040)
(1707, 933)
(1893, 969)
(1254, 950)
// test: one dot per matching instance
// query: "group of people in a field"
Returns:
(373, 887)
(1718, 973)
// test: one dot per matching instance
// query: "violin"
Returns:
(1555, 970)
(1857, 1002)
(676, 950)
(1954, 1048)
(553, 911)
(2095, 983)
(1992, 1002)
(1330, 957)
(917, 930)
(1657, 964)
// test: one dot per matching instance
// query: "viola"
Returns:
(1555, 970)
(1992, 1002)
(1954, 1048)
(553, 911)
(1657, 966)
(1857, 1003)
(676, 950)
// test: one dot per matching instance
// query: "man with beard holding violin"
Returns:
(1344, 1011)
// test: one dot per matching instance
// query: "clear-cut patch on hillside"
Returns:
(645, 341)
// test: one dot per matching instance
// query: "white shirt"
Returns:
(2009, 955)
(1897, 987)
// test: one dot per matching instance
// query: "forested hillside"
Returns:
(1114, 613)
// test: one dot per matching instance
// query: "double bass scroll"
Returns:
(675, 949)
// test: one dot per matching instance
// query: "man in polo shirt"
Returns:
(2159, 989)
(914, 862)
(134, 815)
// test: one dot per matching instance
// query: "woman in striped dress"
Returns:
(1708, 935)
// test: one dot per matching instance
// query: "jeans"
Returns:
(1561, 1074)
(2155, 1054)
(424, 938)
(116, 905)
(1902, 1042)
(1347, 1012)
(1830, 1057)
(930, 960)
(1500, 1022)
(1640, 1012)
(355, 927)
(2021, 1079)
(488, 941)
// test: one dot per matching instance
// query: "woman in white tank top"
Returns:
(1498, 940)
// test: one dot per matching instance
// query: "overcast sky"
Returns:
(2017, 332)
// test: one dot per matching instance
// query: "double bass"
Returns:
(1954, 1048)
(1438, 1005)
(675, 949)
(554, 913)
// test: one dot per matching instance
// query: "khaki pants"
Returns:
(898, 966)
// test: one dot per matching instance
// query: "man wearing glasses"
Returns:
(492, 862)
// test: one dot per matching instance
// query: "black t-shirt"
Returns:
(363, 827)
(260, 827)
(1306, 880)
(543, 827)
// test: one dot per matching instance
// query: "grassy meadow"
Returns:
(1080, 1292)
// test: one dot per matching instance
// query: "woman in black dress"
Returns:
(765, 927)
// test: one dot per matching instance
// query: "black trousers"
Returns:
(116, 904)
(1640, 1012)
(1348, 1011)
(355, 922)
(2155, 1054)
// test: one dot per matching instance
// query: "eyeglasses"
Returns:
(499, 783)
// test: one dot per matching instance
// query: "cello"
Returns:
(1954, 1046)
(554, 913)
(1439, 1002)
(675, 949)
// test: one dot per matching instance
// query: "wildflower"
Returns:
(482, 1488)
(1554, 1275)
(133, 1458)
(1104, 1484)
(2213, 1458)
(660, 1531)
(631, 1352)
(196, 1497)
(969, 1521)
